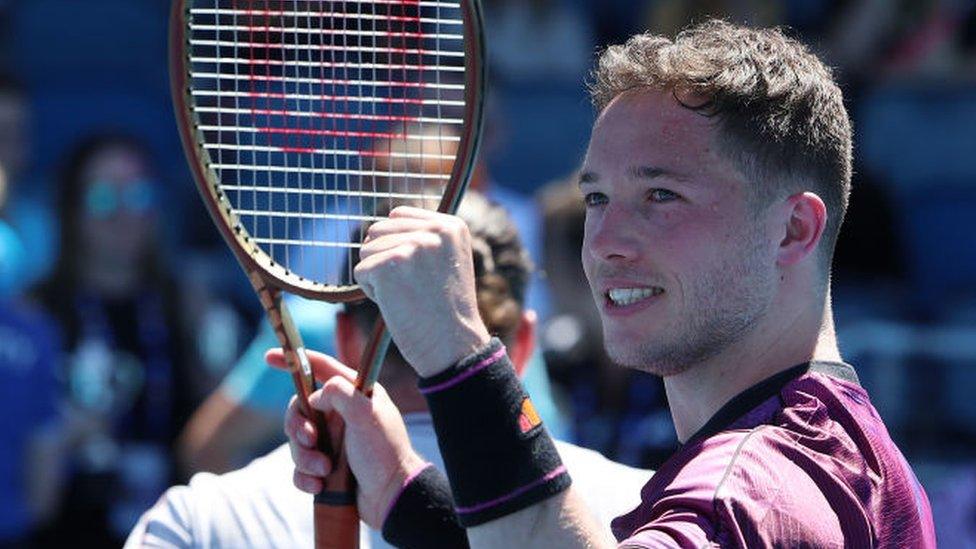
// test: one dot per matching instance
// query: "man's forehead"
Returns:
(648, 134)
(651, 106)
(652, 122)
(645, 136)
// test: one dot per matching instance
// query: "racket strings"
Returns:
(315, 112)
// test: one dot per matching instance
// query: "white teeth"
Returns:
(626, 296)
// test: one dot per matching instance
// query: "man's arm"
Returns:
(384, 462)
(417, 266)
(561, 521)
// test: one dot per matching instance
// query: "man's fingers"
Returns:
(305, 483)
(339, 395)
(390, 226)
(413, 212)
(323, 365)
(299, 428)
(407, 241)
(310, 462)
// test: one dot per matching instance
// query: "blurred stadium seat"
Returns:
(117, 44)
(936, 218)
(61, 117)
(915, 134)
(920, 138)
(544, 131)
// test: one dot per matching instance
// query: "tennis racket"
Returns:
(301, 121)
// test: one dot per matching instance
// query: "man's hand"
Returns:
(375, 438)
(417, 266)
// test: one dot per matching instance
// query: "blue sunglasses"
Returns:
(104, 199)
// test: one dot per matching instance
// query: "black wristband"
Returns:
(423, 514)
(498, 455)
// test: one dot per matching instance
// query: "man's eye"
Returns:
(594, 199)
(661, 195)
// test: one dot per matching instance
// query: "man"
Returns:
(245, 411)
(257, 506)
(28, 243)
(715, 181)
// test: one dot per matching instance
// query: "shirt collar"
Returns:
(752, 397)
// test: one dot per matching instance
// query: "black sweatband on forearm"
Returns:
(422, 515)
(499, 457)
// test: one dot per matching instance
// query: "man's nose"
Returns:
(614, 236)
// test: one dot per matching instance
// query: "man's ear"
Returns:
(806, 218)
(523, 344)
(349, 340)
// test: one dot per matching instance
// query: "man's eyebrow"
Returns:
(638, 172)
(653, 172)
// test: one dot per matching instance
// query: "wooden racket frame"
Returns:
(336, 519)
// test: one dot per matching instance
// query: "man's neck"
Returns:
(696, 394)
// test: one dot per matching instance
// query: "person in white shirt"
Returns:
(258, 506)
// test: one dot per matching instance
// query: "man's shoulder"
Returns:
(811, 463)
(607, 487)
(592, 471)
(254, 505)
(739, 485)
(592, 462)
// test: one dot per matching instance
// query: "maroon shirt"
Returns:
(800, 460)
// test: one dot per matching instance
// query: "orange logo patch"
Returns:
(529, 418)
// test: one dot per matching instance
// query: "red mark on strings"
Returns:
(326, 81)
(341, 115)
(290, 134)
(332, 133)
(344, 98)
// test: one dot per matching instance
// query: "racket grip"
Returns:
(336, 527)
(336, 519)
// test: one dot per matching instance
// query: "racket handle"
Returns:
(336, 519)
(336, 527)
(373, 356)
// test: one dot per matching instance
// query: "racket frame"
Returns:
(248, 253)
(269, 278)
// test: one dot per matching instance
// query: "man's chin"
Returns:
(652, 359)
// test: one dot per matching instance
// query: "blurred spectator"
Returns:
(668, 17)
(129, 372)
(869, 260)
(613, 20)
(954, 507)
(258, 505)
(604, 400)
(27, 239)
(29, 420)
(538, 41)
(967, 43)
(242, 418)
(874, 40)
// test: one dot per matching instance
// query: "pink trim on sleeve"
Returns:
(410, 478)
(466, 373)
(514, 493)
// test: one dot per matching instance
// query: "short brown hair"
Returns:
(501, 267)
(781, 114)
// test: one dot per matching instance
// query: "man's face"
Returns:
(679, 262)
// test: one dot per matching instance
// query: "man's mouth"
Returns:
(621, 297)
